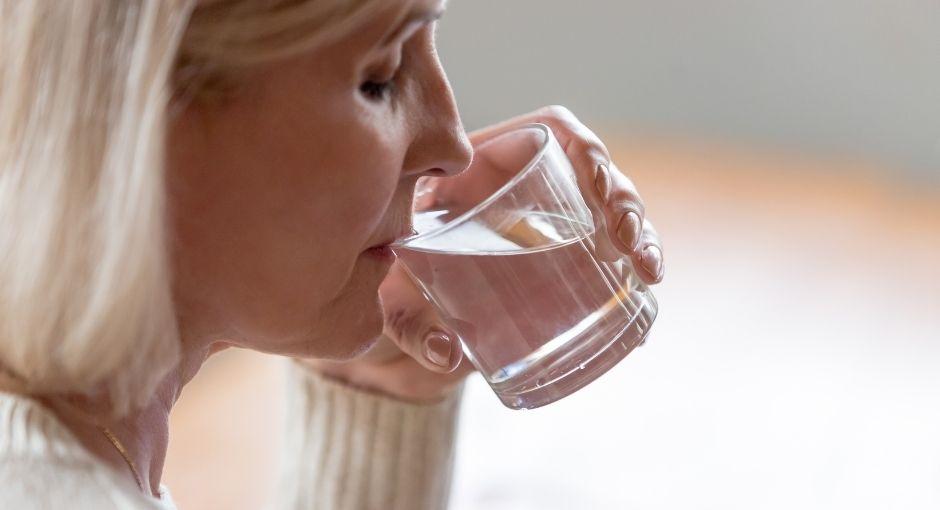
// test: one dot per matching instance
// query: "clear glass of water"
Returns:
(506, 252)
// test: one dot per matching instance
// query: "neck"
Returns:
(144, 432)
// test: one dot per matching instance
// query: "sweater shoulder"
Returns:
(29, 483)
(42, 465)
(30, 431)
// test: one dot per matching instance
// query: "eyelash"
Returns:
(377, 90)
(381, 84)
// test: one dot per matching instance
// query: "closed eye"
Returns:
(376, 90)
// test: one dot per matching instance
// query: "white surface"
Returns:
(833, 416)
(795, 364)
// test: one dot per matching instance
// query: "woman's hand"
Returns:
(418, 358)
(619, 214)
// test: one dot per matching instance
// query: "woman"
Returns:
(177, 177)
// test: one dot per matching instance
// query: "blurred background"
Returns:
(789, 153)
(857, 78)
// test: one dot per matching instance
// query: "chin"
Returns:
(335, 344)
(347, 326)
(348, 347)
(351, 332)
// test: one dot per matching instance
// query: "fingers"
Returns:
(612, 197)
(618, 210)
(564, 124)
(592, 185)
(648, 256)
(399, 376)
(412, 323)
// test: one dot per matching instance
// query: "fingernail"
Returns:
(652, 260)
(629, 229)
(437, 348)
(602, 182)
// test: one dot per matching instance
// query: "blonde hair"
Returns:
(85, 87)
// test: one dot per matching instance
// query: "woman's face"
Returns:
(276, 196)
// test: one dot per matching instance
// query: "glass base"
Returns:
(558, 375)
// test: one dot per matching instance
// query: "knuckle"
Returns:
(583, 139)
(403, 323)
(559, 112)
(622, 200)
(625, 183)
(591, 149)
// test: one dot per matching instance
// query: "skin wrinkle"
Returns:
(346, 225)
(274, 197)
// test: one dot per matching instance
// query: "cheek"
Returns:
(272, 213)
(374, 162)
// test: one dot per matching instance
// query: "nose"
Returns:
(440, 147)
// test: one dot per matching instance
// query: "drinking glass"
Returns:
(506, 252)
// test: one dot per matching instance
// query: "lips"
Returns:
(403, 233)
(383, 253)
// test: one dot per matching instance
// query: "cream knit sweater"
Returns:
(344, 449)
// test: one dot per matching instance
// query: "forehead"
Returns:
(393, 16)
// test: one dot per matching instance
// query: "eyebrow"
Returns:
(423, 16)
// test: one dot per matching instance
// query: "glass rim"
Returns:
(496, 195)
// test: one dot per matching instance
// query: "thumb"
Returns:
(414, 325)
